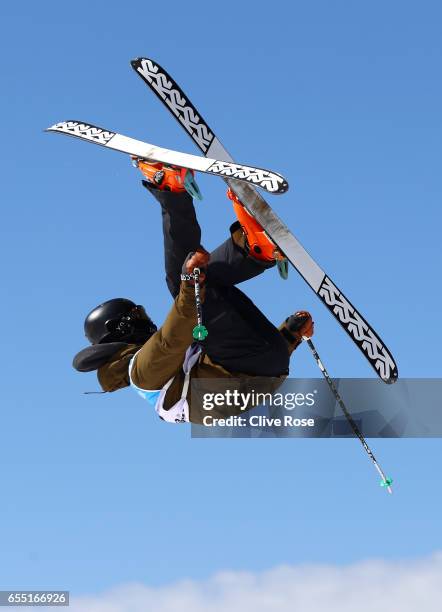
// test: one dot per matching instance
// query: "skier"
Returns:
(128, 349)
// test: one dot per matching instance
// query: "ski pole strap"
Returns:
(200, 332)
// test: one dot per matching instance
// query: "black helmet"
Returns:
(118, 320)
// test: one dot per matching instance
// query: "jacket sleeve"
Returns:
(163, 354)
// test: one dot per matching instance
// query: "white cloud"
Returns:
(369, 586)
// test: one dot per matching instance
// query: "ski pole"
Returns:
(385, 482)
(199, 331)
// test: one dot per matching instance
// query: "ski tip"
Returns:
(270, 181)
(60, 124)
(139, 62)
(279, 186)
(394, 375)
(139, 59)
(284, 187)
(55, 127)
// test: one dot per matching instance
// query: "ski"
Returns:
(266, 179)
(362, 334)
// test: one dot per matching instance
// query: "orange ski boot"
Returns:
(168, 178)
(260, 245)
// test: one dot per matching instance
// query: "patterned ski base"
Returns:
(270, 181)
(372, 347)
(170, 93)
(85, 131)
(359, 330)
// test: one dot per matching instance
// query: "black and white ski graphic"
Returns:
(362, 334)
(266, 179)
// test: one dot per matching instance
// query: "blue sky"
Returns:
(342, 98)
